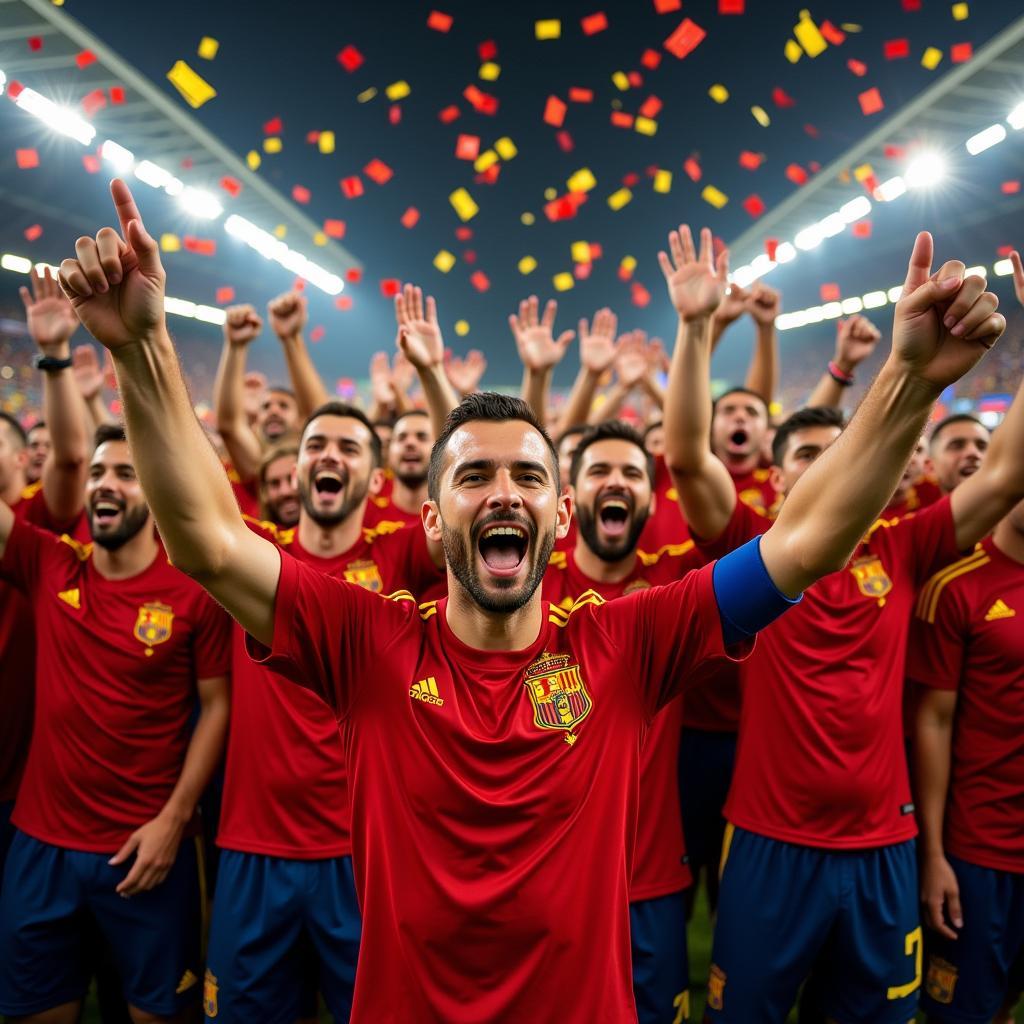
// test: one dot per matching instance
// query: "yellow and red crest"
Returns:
(154, 624)
(210, 994)
(941, 980)
(365, 575)
(716, 987)
(557, 691)
(872, 579)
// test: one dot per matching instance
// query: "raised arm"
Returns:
(763, 304)
(51, 322)
(539, 350)
(822, 519)
(734, 304)
(288, 315)
(695, 286)
(597, 353)
(117, 288)
(464, 374)
(856, 338)
(241, 328)
(89, 377)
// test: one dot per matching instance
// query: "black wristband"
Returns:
(51, 364)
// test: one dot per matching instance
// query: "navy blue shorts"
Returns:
(784, 909)
(661, 973)
(966, 979)
(273, 918)
(48, 895)
(6, 833)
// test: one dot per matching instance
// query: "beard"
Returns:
(357, 491)
(275, 515)
(459, 557)
(587, 524)
(132, 521)
(414, 479)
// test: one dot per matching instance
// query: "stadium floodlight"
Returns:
(1015, 119)
(852, 305)
(895, 292)
(978, 271)
(60, 119)
(19, 264)
(855, 209)
(831, 310)
(3, 82)
(784, 321)
(986, 139)
(813, 315)
(762, 264)
(210, 315)
(833, 224)
(784, 252)
(742, 276)
(180, 307)
(891, 189)
(925, 170)
(1002, 268)
(200, 204)
(154, 175)
(122, 159)
(808, 238)
(872, 300)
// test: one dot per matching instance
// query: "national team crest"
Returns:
(716, 987)
(154, 624)
(872, 579)
(558, 694)
(941, 980)
(210, 994)
(365, 575)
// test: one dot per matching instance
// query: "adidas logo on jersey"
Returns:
(426, 690)
(71, 597)
(1000, 610)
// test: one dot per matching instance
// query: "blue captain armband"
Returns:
(747, 597)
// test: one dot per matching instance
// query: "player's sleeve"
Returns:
(938, 636)
(35, 511)
(328, 634)
(25, 553)
(744, 524)
(211, 644)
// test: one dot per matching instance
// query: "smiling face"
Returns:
(335, 468)
(278, 415)
(280, 491)
(739, 426)
(409, 450)
(498, 511)
(113, 496)
(38, 449)
(613, 497)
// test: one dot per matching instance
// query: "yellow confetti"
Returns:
(170, 243)
(281, 231)
(663, 181)
(326, 142)
(444, 261)
(506, 148)
(628, 263)
(774, 408)
(713, 196)
(550, 28)
(718, 93)
(761, 116)
(808, 35)
(367, 94)
(645, 126)
(582, 180)
(319, 238)
(580, 252)
(527, 265)
(490, 71)
(849, 26)
(960, 12)
(272, 144)
(463, 204)
(563, 281)
(620, 80)
(486, 159)
(930, 58)
(617, 200)
(462, 328)
(253, 159)
(863, 172)
(208, 47)
(792, 51)
(527, 218)
(193, 87)
(397, 91)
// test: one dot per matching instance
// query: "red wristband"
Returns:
(837, 374)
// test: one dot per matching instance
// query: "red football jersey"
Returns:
(755, 490)
(494, 794)
(967, 636)
(285, 784)
(381, 511)
(820, 759)
(116, 669)
(659, 863)
(920, 495)
(247, 493)
(666, 526)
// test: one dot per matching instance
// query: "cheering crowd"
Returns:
(444, 708)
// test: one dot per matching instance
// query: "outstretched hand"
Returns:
(88, 374)
(944, 322)
(597, 342)
(464, 374)
(419, 334)
(51, 320)
(288, 314)
(116, 281)
(1018, 276)
(538, 348)
(696, 283)
(242, 325)
(856, 339)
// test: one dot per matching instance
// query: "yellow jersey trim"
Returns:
(928, 600)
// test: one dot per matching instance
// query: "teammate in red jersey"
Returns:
(966, 655)
(492, 743)
(820, 869)
(612, 485)
(38, 449)
(956, 448)
(407, 456)
(279, 492)
(739, 423)
(126, 645)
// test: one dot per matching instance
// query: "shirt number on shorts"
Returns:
(682, 1002)
(912, 947)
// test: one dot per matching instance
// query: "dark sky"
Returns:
(278, 60)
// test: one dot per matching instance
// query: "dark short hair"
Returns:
(108, 432)
(576, 429)
(18, 436)
(610, 430)
(281, 389)
(741, 391)
(957, 417)
(810, 416)
(278, 451)
(335, 407)
(489, 407)
(405, 415)
(35, 426)
(650, 427)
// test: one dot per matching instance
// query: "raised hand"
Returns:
(538, 348)
(403, 373)
(254, 384)
(116, 282)
(597, 343)
(419, 334)
(696, 283)
(657, 357)
(243, 325)
(288, 314)
(631, 361)
(944, 322)
(856, 339)
(733, 305)
(1018, 276)
(763, 303)
(85, 365)
(464, 374)
(51, 320)
(380, 379)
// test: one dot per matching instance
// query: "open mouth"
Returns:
(106, 511)
(738, 438)
(328, 483)
(613, 516)
(970, 469)
(503, 549)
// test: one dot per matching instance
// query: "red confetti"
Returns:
(960, 52)
(895, 49)
(809, 129)
(378, 171)
(187, 163)
(200, 246)
(564, 140)
(754, 205)
(312, 137)
(85, 58)
(301, 194)
(814, 166)
(467, 147)
(911, 5)
(479, 280)
(870, 101)
(621, 119)
(469, 256)
(439, 22)
(830, 292)
(487, 50)
(334, 228)
(577, 95)
(858, 67)
(343, 302)
(781, 98)
(650, 107)
(554, 112)
(317, 333)
(33, 232)
(353, 275)
(490, 176)
(624, 273)
(667, 6)
(116, 95)
(639, 295)
(894, 152)
(35, 43)
(731, 6)
(771, 246)
(14, 89)
(449, 114)
(91, 163)
(395, 114)
(273, 127)
(389, 287)
(1004, 250)
(692, 168)
(581, 271)
(481, 102)
(832, 34)
(594, 23)
(463, 234)
(1010, 188)
(352, 187)
(631, 180)
(635, 79)
(26, 158)
(650, 59)
(411, 217)
(751, 161)
(862, 229)
(225, 294)
(93, 101)
(870, 184)
(796, 174)
(350, 58)
(596, 251)
(230, 185)
(686, 38)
